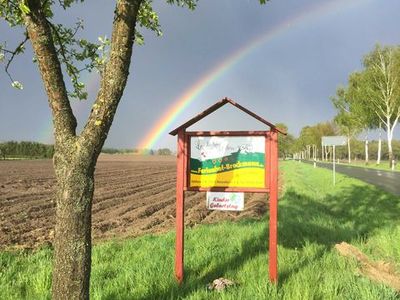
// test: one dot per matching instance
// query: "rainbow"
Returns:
(184, 100)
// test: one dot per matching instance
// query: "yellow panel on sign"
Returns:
(250, 178)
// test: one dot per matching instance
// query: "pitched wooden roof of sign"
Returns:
(218, 105)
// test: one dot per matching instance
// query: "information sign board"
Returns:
(334, 140)
(227, 161)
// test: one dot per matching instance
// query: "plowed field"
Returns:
(133, 195)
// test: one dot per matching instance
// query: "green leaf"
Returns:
(18, 85)
(24, 8)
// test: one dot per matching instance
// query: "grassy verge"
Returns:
(313, 216)
(384, 165)
(19, 158)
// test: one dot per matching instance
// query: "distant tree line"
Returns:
(118, 151)
(164, 151)
(358, 150)
(13, 149)
(308, 145)
(161, 151)
(24, 149)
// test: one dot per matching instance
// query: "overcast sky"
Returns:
(287, 78)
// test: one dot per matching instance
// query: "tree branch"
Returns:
(13, 53)
(39, 33)
(63, 50)
(115, 76)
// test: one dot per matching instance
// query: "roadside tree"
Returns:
(377, 89)
(349, 118)
(285, 142)
(60, 54)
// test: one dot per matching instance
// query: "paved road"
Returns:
(386, 180)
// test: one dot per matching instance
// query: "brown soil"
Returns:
(379, 271)
(134, 195)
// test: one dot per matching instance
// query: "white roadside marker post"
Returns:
(334, 166)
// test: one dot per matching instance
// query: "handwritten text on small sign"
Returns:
(225, 201)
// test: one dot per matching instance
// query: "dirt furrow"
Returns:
(134, 195)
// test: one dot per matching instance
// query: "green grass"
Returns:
(384, 165)
(313, 217)
(19, 158)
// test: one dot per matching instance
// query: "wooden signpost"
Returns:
(227, 161)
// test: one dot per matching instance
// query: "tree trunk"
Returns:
(390, 149)
(314, 152)
(366, 150)
(72, 247)
(348, 150)
(75, 156)
(330, 152)
(378, 159)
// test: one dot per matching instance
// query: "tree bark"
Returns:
(378, 159)
(366, 149)
(72, 243)
(50, 69)
(390, 149)
(348, 150)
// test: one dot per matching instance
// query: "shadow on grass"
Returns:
(250, 248)
(353, 213)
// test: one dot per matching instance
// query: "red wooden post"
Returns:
(267, 159)
(180, 179)
(186, 163)
(273, 207)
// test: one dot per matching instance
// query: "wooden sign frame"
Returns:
(271, 185)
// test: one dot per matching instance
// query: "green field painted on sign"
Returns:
(234, 161)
